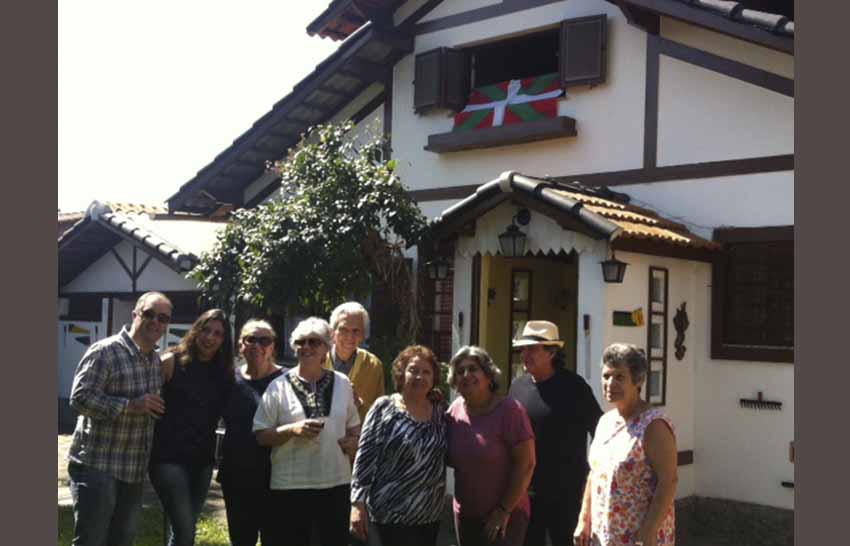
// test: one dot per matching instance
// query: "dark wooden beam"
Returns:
(681, 11)
(399, 41)
(727, 67)
(650, 132)
(121, 261)
(639, 17)
(655, 247)
(754, 234)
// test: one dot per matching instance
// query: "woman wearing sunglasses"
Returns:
(197, 376)
(303, 416)
(245, 469)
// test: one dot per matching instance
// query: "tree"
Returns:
(337, 227)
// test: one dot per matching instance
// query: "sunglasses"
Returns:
(262, 341)
(150, 314)
(310, 342)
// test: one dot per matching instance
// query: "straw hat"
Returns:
(538, 332)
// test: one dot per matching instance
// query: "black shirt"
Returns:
(244, 462)
(563, 411)
(193, 401)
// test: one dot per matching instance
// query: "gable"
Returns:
(106, 274)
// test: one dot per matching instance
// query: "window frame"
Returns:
(720, 350)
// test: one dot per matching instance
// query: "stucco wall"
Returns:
(609, 117)
(752, 200)
(739, 454)
(707, 116)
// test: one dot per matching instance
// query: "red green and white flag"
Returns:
(511, 101)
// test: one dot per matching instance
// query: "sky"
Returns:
(150, 92)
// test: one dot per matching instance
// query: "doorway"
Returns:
(516, 290)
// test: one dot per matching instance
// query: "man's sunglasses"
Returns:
(150, 314)
(310, 342)
(262, 341)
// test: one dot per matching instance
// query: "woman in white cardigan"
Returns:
(309, 419)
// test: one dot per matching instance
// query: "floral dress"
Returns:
(623, 481)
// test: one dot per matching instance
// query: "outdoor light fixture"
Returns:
(613, 270)
(438, 269)
(512, 241)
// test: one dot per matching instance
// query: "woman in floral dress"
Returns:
(629, 495)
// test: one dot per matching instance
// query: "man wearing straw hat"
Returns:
(563, 411)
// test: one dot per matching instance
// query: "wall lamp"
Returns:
(512, 241)
(613, 270)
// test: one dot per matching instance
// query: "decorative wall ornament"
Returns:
(681, 323)
(760, 403)
(628, 318)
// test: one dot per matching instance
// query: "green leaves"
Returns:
(340, 216)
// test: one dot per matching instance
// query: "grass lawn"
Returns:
(210, 531)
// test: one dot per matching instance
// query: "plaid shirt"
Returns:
(107, 437)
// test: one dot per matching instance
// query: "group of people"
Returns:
(321, 446)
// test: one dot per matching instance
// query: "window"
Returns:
(518, 58)
(576, 51)
(753, 295)
(656, 336)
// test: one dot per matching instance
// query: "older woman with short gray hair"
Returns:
(491, 447)
(305, 416)
(634, 447)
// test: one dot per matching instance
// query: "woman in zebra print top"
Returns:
(399, 477)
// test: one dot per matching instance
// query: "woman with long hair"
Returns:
(197, 375)
(245, 469)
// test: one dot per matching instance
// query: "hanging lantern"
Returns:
(438, 269)
(613, 270)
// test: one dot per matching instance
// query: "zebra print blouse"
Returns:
(400, 470)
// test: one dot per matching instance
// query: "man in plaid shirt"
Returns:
(116, 390)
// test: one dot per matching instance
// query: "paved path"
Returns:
(214, 505)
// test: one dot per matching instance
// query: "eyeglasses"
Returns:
(310, 342)
(150, 314)
(262, 341)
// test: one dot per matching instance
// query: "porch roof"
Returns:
(176, 240)
(599, 213)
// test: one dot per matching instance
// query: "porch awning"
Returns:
(597, 213)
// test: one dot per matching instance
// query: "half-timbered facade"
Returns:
(669, 142)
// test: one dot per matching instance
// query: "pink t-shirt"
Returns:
(480, 452)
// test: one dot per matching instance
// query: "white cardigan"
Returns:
(308, 463)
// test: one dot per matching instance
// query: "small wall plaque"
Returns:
(628, 318)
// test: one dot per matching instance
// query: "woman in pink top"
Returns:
(629, 495)
(491, 447)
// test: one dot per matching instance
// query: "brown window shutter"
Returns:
(456, 79)
(583, 50)
(441, 80)
(427, 82)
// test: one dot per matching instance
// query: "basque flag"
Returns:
(511, 101)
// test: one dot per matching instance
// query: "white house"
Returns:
(111, 256)
(671, 145)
